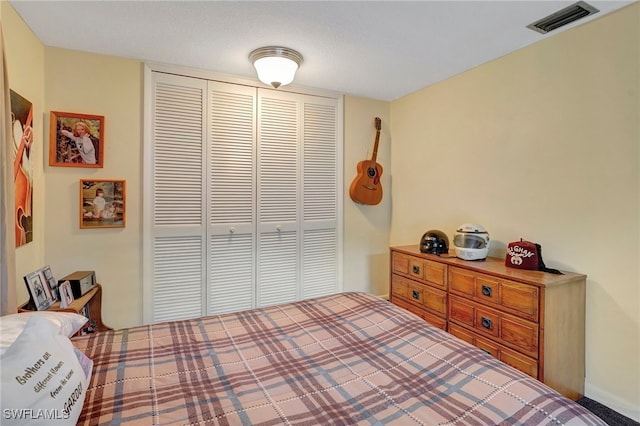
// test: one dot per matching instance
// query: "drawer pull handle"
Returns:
(416, 294)
(416, 269)
(486, 351)
(487, 291)
(487, 323)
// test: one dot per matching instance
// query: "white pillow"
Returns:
(66, 323)
(43, 380)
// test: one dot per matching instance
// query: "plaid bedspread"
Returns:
(342, 359)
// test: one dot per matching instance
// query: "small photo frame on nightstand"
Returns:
(66, 294)
(51, 281)
(39, 290)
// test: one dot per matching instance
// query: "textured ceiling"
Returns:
(381, 50)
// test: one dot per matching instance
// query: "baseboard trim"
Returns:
(626, 408)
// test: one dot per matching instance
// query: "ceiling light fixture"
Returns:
(275, 65)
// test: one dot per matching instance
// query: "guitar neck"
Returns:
(378, 124)
(375, 147)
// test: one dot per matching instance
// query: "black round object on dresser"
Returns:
(434, 242)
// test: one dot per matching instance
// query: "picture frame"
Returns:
(76, 140)
(39, 290)
(47, 275)
(102, 203)
(66, 294)
(22, 125)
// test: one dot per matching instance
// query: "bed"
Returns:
(348, 358)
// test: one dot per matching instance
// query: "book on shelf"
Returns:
(90, 326)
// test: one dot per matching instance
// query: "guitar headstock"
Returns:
(378, 123)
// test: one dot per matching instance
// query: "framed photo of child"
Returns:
(66, 294)
(76, 140)
(39, 290)
(47, 275)
(102, 203)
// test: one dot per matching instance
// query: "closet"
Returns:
(242, 196)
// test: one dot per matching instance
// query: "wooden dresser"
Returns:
(531, 320)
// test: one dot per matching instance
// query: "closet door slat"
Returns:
(232, 154)
(320, 166)
(320, 263)
(277, 268)
(177, 138)
(231, 276)
(278, 160)
(178, 279)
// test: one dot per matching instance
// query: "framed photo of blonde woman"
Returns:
(76, 140)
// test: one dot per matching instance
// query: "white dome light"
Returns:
(276, 66)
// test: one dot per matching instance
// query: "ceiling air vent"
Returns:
(563, 17)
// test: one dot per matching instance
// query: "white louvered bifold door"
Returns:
(320, 242)
(297, 197)
(278, 197)
(231, 232)
(241, 203)
(177, 243)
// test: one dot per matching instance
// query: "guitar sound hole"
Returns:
(371, 172)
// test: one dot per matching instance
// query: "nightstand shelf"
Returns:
(92, 299)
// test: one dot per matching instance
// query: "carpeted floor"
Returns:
(613, 418)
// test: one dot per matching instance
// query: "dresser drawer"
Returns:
(432, 319)
(435, 273)
(462, 333)
(513, 358)
(399, 288)
(432, 299)
(516, 298)
(519, 361)
(400, 263)
(506, 329)
(427, 271)
(488, 346)
(427, 297)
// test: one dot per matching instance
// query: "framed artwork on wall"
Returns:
(22, 132)
(102, 203)
(76, 140)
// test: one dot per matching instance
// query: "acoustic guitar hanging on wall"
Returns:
(366, 187)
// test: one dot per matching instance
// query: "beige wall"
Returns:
(112, 87)
(366, 238)
(542, 144)
(25, 65)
